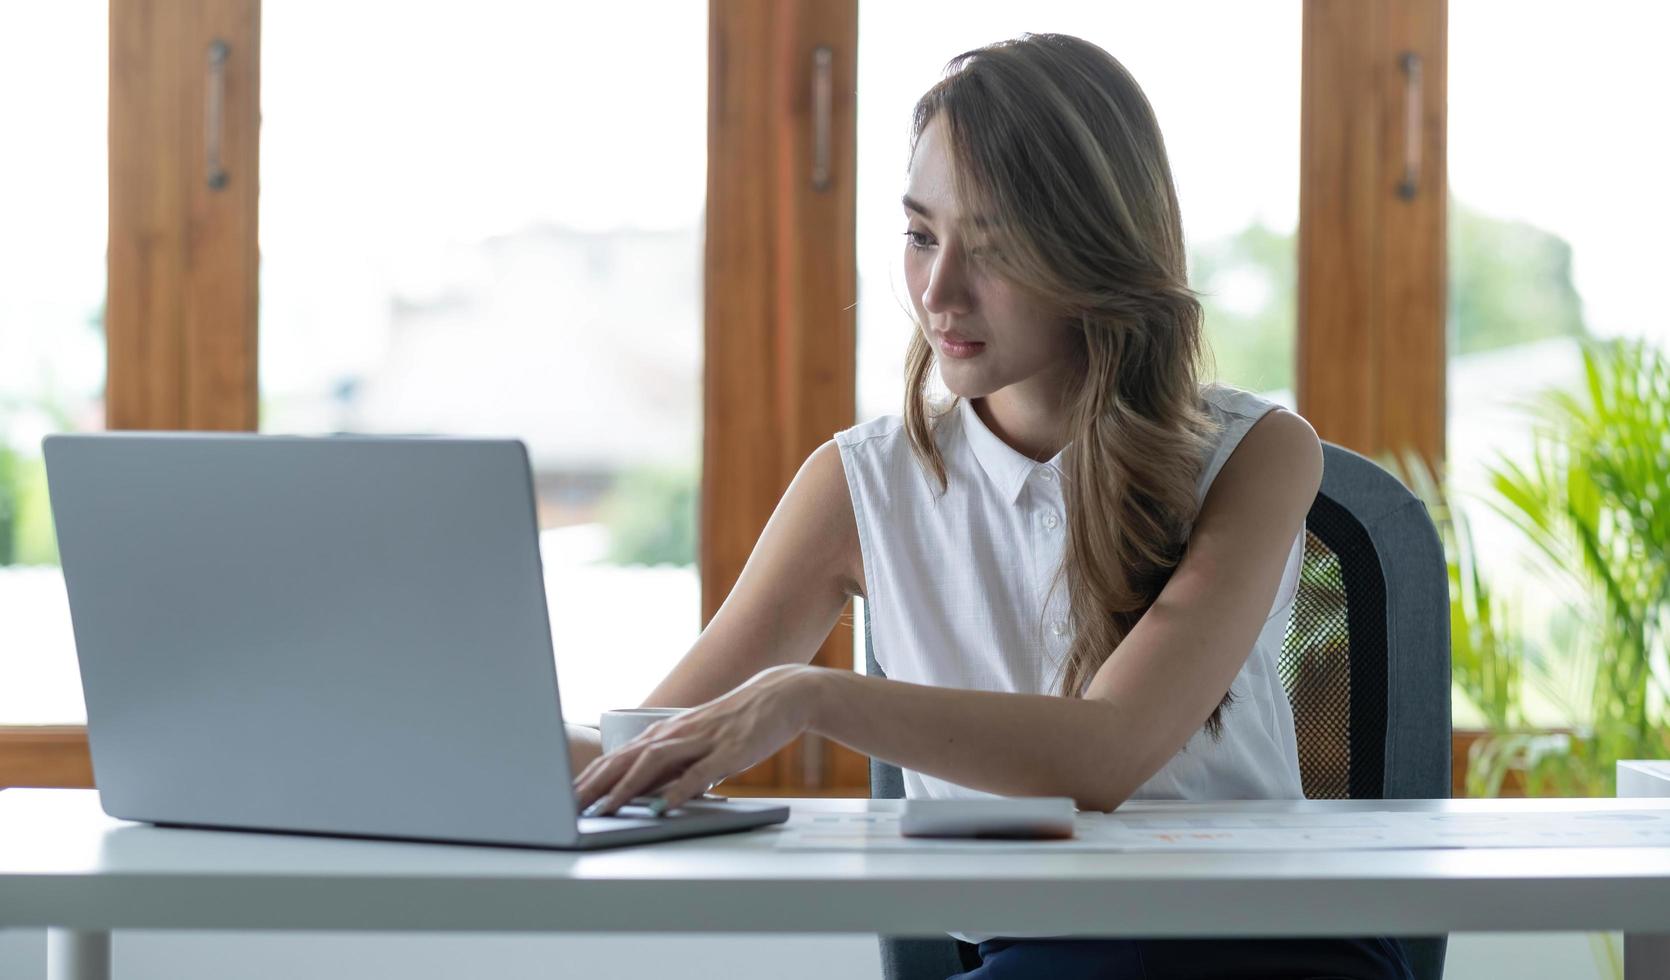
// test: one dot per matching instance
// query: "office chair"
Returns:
(1366, 665)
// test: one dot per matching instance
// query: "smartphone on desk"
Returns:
(1006, 818)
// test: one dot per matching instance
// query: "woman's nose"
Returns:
(947, 290)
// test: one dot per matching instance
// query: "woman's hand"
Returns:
(682, 757)
(585, 744)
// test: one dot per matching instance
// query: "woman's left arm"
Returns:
(1151, 695)
(1142, 705)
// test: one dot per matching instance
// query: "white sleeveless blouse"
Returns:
(958, 593)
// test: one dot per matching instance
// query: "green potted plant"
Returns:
(1594, 500)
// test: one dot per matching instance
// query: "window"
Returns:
(1557, 210)
(52, 361)
(494, 227)
(441, 250)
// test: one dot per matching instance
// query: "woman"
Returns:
(1079, 571)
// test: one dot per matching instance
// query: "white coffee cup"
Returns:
(622, 725)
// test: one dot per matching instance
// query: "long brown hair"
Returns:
(1052, 139)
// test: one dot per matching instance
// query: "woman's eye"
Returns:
(917, 239)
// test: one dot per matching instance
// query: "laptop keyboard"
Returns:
(636, 813)
(631, 815)
(594, 824)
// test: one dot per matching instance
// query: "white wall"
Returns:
(348, 956)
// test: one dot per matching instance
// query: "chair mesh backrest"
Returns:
(1333, 659)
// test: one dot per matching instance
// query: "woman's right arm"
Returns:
(803, 569)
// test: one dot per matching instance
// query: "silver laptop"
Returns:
(332, 635)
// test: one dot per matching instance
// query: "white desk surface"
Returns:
(64, 864)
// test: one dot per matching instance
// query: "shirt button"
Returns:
(1050, 521)
(1058, 628)
(1046, 473)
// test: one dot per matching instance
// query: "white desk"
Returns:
(66, 866)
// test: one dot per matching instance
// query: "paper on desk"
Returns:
(1370, 829)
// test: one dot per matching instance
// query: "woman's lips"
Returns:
(952, 346)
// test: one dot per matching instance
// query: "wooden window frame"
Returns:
(1371, 330)
(781, 289)
(780, 269)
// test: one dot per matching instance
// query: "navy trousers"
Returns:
(1185, 959)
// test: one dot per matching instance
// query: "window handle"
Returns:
(823, 106)
(213, 112)
(1410, 62)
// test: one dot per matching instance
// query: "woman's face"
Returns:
(988, 333)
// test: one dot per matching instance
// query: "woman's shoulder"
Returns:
(881, 459)
(886, 434)
(888, 428)
(1227, 400)
(1236, 411)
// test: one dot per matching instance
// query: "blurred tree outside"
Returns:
(651, 516)
(34, 541)
(1250, 283)
(26, 535)
(8, 504)
(1509, 283)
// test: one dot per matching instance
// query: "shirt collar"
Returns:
(1008, 470)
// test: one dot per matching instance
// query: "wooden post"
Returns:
(781, 286)
(1371, 370)
(180, 319)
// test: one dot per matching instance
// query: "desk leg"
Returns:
(77, 954)
(1646, 955)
